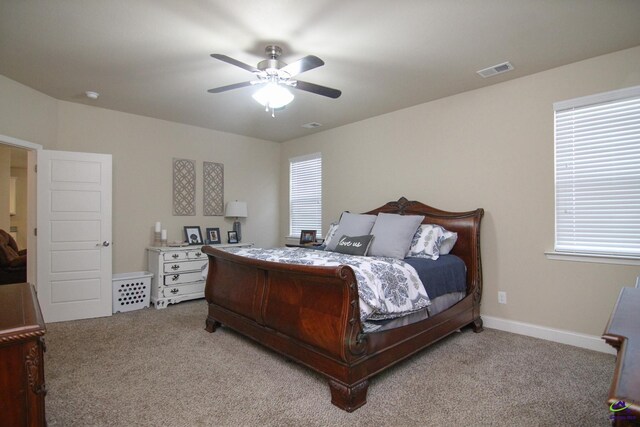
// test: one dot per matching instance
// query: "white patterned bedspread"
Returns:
(388, 287)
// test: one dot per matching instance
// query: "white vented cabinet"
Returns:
(177, 273)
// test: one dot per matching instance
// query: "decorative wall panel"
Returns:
(184, 187)
(213, 191)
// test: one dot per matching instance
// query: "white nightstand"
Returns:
(177, 272)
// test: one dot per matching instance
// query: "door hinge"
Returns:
(35, 168)
(35, 231)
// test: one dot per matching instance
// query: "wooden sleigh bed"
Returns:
(310, 314)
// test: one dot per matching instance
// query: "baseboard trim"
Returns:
(590, 342)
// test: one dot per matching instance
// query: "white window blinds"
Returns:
(597, 173)
(305, 194)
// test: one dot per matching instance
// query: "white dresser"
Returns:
(177, 272)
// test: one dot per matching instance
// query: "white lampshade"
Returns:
(236, 209)
(273, 96)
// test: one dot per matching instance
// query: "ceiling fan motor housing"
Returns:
(271, 65)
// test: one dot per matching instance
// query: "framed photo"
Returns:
(193, 234)
(233, 236)
(213, 236)
(307, 237)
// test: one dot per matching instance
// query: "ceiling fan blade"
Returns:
(235, 62)
(304, 64)
(317, 89)
(230, 87)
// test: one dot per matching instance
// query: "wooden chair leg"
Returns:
(347, 397)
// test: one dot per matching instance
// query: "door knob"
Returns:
(105, 243)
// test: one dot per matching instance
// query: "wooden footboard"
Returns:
(311, 314)
(315, 308)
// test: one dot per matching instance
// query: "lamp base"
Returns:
(236, 228)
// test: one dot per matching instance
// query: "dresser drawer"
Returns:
(171, 267)
(179, 278)
(175, 256)
(173, 291)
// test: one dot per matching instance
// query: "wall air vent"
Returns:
(496, 69)
(311, 125)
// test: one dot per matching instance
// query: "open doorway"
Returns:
(13, 215)
(17, 210)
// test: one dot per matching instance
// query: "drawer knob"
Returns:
(174, 290)
(175, 256)
(198, 254)
(175, 267)
(175, 277)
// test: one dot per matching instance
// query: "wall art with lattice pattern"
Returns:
(184, 187)
(213, 189)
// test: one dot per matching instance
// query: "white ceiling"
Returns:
(151, 57)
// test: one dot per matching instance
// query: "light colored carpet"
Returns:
(160, 367)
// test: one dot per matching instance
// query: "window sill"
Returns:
(593, 258)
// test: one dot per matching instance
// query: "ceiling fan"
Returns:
(273, 75)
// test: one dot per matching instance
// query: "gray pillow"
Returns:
(358, 245)
(393, 234)
(352, 225)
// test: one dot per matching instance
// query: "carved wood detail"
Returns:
(348, 398)
(33, 363)
(21, 337)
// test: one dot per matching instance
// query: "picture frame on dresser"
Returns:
(213, 236)
(193, 235)
(233, 236)
(307, 237)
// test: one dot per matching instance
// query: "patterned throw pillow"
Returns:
(331, 232)
(450, 239)
(428, 242)
(358, 245)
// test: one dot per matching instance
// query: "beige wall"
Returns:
(143, 149)
(489, 148)
(27, 114)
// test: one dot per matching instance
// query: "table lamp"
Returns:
(236, 210)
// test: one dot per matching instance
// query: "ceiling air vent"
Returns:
(496, 69)
(311, 125)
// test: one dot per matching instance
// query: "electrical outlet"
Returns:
(502, 297)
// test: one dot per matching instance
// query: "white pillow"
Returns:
(352, 225)
(428, 241)
(392, 234)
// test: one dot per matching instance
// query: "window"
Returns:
(597, 174)
(305, 194)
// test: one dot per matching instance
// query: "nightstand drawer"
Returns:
(171, 267)
(174, 256)
(179, 278)
(173, 291)
(196, 254)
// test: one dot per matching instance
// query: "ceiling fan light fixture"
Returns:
(273, 96)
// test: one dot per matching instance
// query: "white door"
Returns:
(74, 235)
